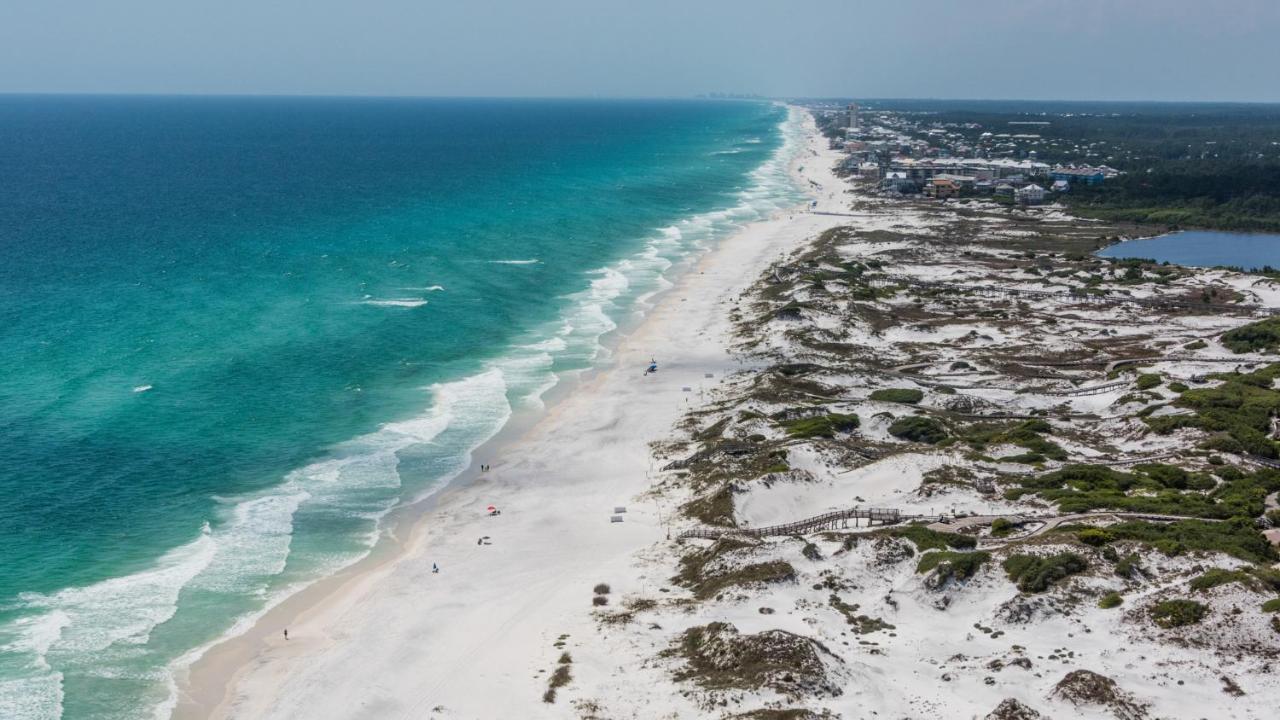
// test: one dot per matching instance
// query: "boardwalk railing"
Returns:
(827, 521)
(1165, 303)
(1087, 390)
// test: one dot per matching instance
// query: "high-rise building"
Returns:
(853, 116)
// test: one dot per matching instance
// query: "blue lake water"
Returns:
(235, 332)
(1203, 248)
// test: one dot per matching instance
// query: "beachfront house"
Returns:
(1060, 186)
(899, 181)
(1004, 190)
(1086, 175)
(1030, 195)
(942, 188)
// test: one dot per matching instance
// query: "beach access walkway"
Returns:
(839, 519)
(1161, 303)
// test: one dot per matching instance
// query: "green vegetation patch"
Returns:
(717, 657)
(916, 428)
(1034, 573)
(862, 624)
(926, 539)
(1148, 381)
(1028, 434)
(1152, 488)
(822, 426)
(714, 508)
(1215, 577)
(1178, 613)
(1096, 537)
(952, 565)
(1271, 606)
(1111, 600)
(774, 571)
(1237, 537)
(910, 396)
(1001, 527)
(1240, 409)
(1261, 336)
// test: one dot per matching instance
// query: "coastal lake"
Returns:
(1203, 248)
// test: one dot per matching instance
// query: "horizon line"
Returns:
(698, 96)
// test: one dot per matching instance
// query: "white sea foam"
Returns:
(141, 388)
(396, 302)
(533, 261)
(429, 288)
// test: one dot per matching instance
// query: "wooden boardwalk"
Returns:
(834, 520)
(839, 519)
(1086, 390)
(1161, 303)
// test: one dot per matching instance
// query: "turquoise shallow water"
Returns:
(235, 332)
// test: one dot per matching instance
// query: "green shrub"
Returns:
(1035, 574)
(1096, 537)
(926, 539)
(560, 677)
(1272, 605)
(1214, 577)
(774, 571)
(910, 396)
(1273, 517)
(1153, 488)
(1240, 410)
(1146, 382)
(1026, 434)
(918, 429)
(1001, 527)
(952, 565)
(824, 426)
(1110, 600)
(1238, 537)
(1129, 566)
(1177, 613)
(1196, 345)
(1177, 387)
(1260, 336)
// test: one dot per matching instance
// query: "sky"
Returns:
(1017, 49)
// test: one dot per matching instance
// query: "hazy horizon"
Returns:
(1090, 50)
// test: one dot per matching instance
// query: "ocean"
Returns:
(236, 332)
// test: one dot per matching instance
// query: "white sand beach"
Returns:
(391, 639)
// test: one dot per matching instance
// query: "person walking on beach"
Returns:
(435, 569)
(286, 633)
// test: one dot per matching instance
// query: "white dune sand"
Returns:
(393, 640)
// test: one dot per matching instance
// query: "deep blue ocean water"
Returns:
(1203, 248)
(234, 332)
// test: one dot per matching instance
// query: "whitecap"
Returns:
(396, 302)
(142, 388)
(533, 261)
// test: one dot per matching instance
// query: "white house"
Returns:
(1030, 195)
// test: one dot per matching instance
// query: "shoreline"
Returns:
(228, 678)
